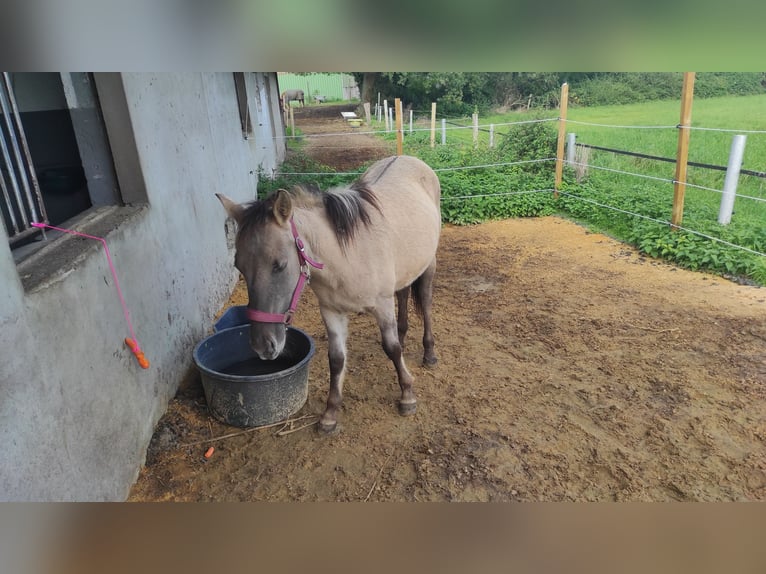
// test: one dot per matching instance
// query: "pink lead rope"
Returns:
(132, 342)
(305, 261)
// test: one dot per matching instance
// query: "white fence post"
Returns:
(732, 177)
(444, 131)
(475, 122)
(491, 136)
(570, 148)
(410, 121)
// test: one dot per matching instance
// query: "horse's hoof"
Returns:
(327, 429)
(407, 409)
(430, 361)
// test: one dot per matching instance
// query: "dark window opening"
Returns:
(244, 109)
(69, 159)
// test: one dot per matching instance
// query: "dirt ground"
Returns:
(570, 368)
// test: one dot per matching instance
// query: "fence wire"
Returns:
(663, 222)
(661, 179)
(407, 130)
(499, 194)
(553, 159)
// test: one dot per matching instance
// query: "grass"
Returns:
(654, 199)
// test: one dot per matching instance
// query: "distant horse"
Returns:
(369, 243)
(290, 96)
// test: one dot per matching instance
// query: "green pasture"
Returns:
(635, 194)
(654, 198)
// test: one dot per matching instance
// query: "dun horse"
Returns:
(370, 245)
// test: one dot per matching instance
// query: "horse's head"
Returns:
(268, 260)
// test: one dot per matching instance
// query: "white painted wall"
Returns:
(76, 411)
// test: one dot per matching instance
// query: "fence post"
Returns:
(367, 112)
(410, 121)
(562, 132)
(433, 123)
(491, 136)
(682, 156)
(475, 121)
(571, 148)
(444, 131)
(385, 113)
(732, 177)
(399, 134)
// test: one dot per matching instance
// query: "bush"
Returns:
(627, 88)
(525, 142)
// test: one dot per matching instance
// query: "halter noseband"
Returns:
(305, 276)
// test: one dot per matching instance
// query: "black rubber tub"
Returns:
(242, 390)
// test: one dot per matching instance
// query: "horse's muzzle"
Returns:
(268, 340)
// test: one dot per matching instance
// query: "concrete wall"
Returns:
(76, 410)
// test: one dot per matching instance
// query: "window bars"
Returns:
(22, 201)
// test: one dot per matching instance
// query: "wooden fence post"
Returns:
(682, 156)
(562, 137)
(399, 135)
(367, 112)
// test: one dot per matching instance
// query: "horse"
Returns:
(292, 95)
(365, 247)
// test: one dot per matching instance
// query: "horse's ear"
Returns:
(283, 207)
(235, 210)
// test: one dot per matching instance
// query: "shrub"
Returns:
(530, 141)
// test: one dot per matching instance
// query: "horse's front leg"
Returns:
(337, 331)
(385, 316)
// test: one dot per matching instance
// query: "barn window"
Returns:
(244, 108)
(57, 164)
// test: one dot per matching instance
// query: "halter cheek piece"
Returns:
(305, 276)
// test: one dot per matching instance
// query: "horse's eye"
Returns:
(278, 266)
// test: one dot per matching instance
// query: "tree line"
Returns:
(464, 92)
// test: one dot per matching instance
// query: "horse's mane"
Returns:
(347, 208)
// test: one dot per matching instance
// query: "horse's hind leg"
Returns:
(402, 324)
(422, 291)
(384, 314)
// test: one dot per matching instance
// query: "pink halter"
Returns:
(305, 261)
